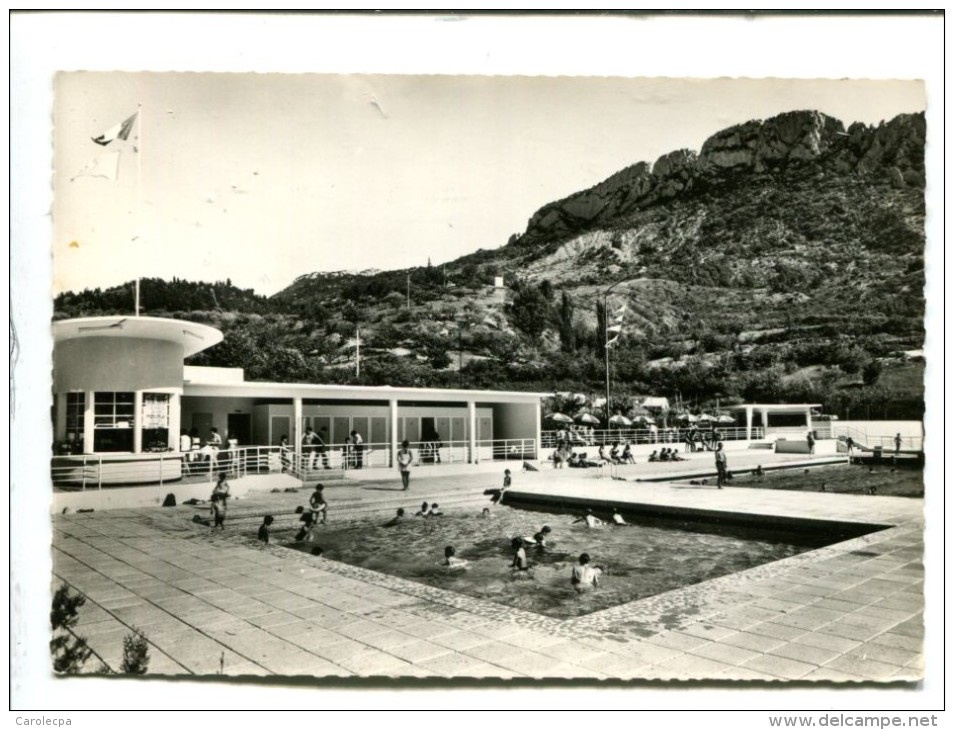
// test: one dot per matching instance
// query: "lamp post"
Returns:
(606, 343)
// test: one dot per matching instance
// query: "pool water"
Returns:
(639, 560)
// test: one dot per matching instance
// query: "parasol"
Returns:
(619, 420)
(588, 418)
(559, 418)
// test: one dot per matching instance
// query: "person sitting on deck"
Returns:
(654, 457)
(615, 454)
(628, 457)
(603, 458)
(664, 455)
(674, 456)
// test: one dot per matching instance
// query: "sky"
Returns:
(261, 178)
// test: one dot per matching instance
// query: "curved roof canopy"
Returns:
(192, 336)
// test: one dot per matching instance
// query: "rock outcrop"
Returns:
(893, 150)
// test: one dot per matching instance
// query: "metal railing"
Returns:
(372, 455)
(886, 443)
(94, 471)
(642, 436)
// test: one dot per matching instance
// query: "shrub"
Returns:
(69, 651)
(135, 653)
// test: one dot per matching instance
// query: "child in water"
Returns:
(399, 517)
(618, 518)
(585, 577)
(539, 540)
(485, 513)
(453, 562)
(424, 511)
(265, 529)
(520, 561)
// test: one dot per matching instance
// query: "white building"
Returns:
(123, 396)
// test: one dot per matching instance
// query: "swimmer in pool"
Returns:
(520, 561)
(539, 540)
(485, 513)
(618, 518)
(453, 562)
(435, 511)
(399, 517)
(585, 577)
(590, 519)
(424, 510)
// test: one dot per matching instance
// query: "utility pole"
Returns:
(357, 352)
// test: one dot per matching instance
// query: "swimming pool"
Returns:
(648, 557)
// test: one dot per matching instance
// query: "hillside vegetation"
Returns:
(783, 262)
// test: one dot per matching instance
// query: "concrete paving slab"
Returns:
(849, 611)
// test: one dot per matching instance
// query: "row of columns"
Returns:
(764, 413)
(298, 431)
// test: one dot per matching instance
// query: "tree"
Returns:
(69, 651)
(871, 371)
(567, 331)
(529, 310)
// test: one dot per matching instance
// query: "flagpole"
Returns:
(138, 198)
(606, 326)
(357, 352)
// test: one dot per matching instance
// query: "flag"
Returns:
(119, 131)
(106, 166)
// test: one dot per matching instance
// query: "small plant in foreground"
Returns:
(135, 653)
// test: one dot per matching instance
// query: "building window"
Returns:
(155, 421)
(114, 421)
(75, 416)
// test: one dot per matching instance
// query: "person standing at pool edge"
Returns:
(404, 458)
(721, 464)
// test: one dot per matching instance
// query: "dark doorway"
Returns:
(240, 428)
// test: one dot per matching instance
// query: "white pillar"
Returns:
(472, 429)
(137, 422)
(537, 433)
(296, 424)
(748, 423)
(89, 422)
(296, 435)
(393, 421)
(808, 417)
(175, 420)
(764, 412)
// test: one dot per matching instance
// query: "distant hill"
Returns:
(784, 260)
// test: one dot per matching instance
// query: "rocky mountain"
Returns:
(782, 260)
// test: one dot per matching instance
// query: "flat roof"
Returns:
(774, 406)
(193, 337)
(252, 389)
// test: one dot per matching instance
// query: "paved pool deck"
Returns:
(220, 604)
